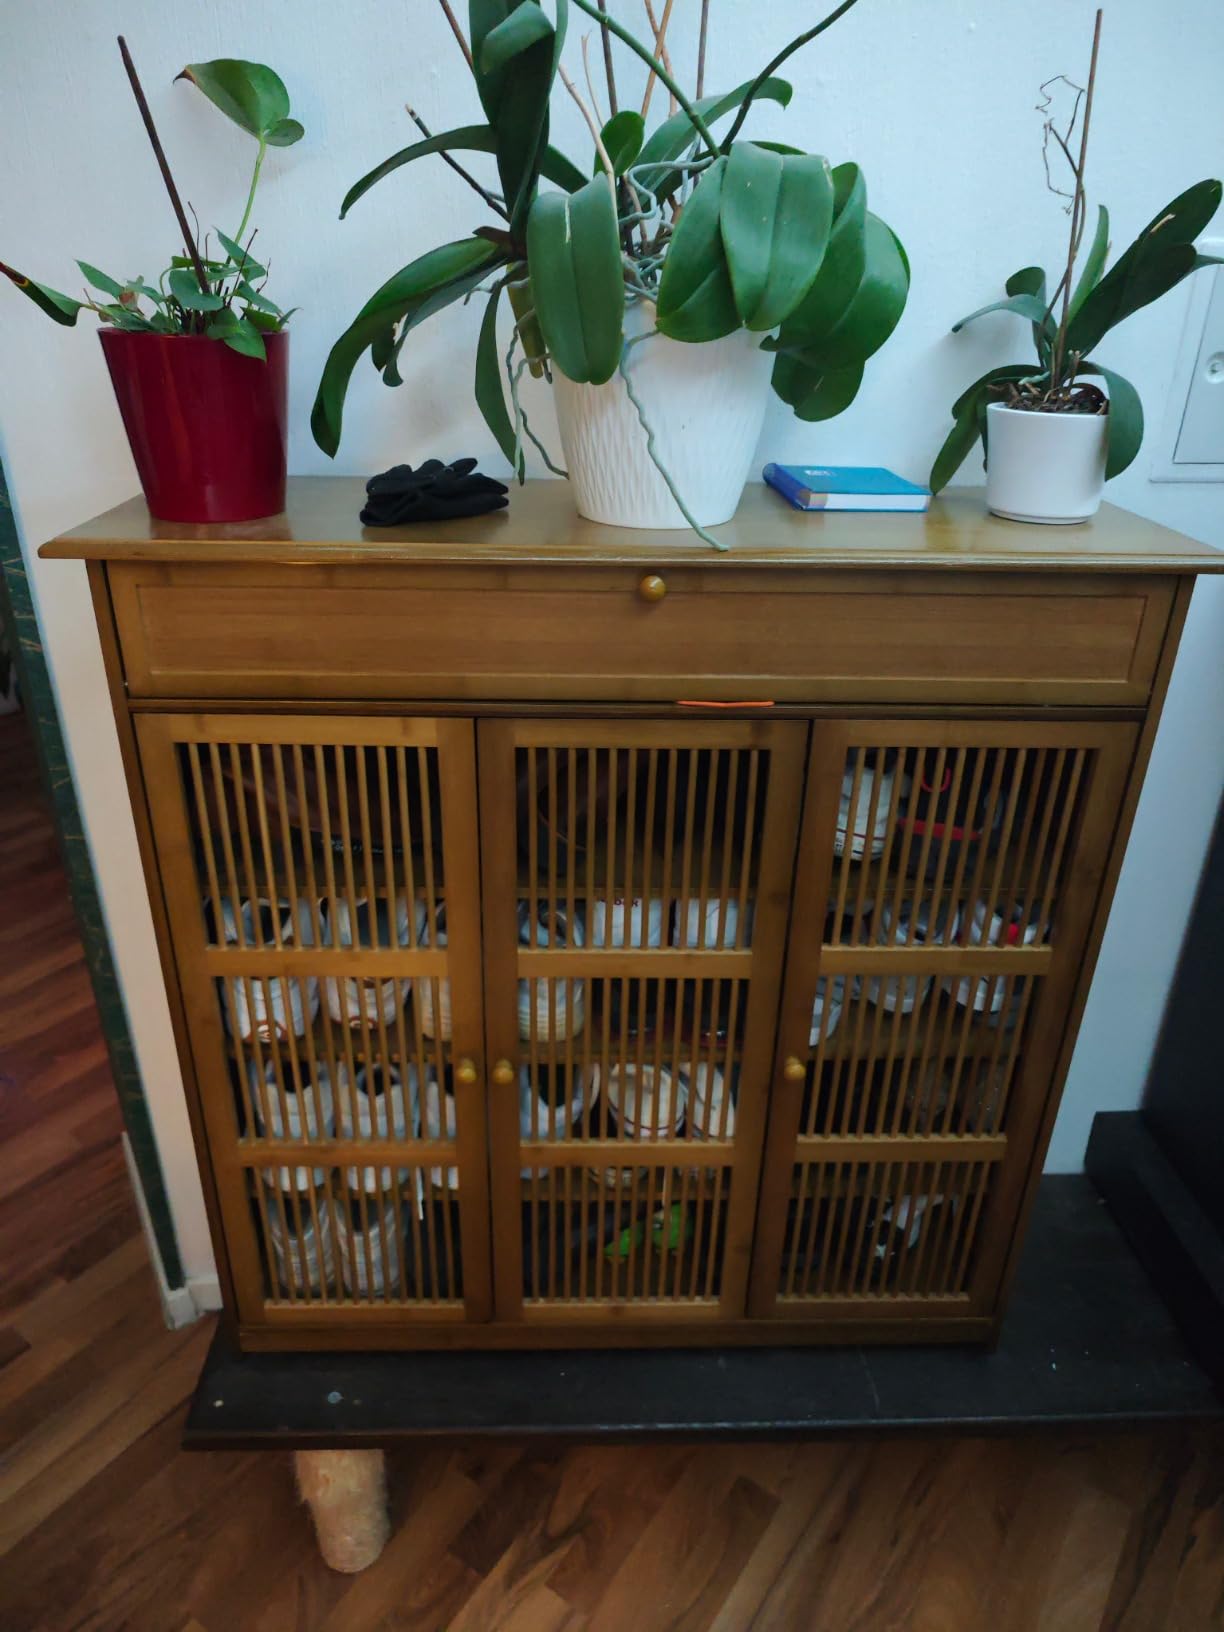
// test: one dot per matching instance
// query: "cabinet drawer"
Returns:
(721, 633)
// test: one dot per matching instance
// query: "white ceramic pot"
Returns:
(705, 404)
(1044, 467)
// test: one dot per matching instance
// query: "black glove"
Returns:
(432, 492)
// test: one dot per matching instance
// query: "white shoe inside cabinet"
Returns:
(559, 1005)
(432, 995)
(551, 1100)
(827, 1009)
(438, 1119)
(851, 832)
(303, 1250)
(641, 1104)
(987, 993)
(710, 1106)
(263, 1006)
(378, 924)
(712, 925)
(368, 1244)
(916, 926)
(383, 1104)
(301, 1107)
(626, 921)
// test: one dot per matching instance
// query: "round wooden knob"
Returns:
(466, 1073)
(794, 1070)
(504, 1074)
(652, 588)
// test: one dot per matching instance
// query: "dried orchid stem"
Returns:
(701, 48)
(458, 33)
(660, 34)
(593, 127)
(1079, 207)
(491, 199)
(607, 56)
(590, 83)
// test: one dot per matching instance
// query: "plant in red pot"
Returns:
(200, 359)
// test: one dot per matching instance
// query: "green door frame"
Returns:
(38, 697)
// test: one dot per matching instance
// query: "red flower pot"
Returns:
(207, 425)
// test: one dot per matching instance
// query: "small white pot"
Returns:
(705, 404)
(1044, 467)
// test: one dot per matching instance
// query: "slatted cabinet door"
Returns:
(322, 884)
(947, 874)
(636, 879)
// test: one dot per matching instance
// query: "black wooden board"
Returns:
(1087, 1342)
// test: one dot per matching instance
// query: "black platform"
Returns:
(1087, 1343)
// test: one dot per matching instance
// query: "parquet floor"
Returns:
(105, 1524)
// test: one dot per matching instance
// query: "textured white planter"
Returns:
(705, 404)
(1044, 467)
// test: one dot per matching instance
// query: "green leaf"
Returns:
(1124, 426)
(1090, 275)
(515, 88)
(696, 299)
(1161, 256)
(249, 93)
(284, 133)
(1030, 306)
(124, 317)
(255, 297)
(775, 218)
(185, 288)
(1030, 280)
(238, 334)
(466, 138)
(872, 313)
(622, 138)
(815, 394)
(524, 27)
(108, 286)
(490, 394)
(675, 135)
(573, 251)
(266, 322)
(241, 258)
(966, 427)
(60, 308)
(432, 280)
(841, 271)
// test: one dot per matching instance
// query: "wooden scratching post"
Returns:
(347, 1495)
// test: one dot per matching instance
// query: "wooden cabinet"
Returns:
(576, 937)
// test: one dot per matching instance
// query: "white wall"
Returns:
(936, 101)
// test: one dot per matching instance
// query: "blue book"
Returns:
(845, 487)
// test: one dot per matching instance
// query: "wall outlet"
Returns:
(1191, 443)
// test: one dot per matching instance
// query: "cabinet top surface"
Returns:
(320, 525)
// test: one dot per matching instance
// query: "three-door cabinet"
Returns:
(577, 936)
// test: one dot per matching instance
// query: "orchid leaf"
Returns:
(676, 135)
(966, 423)
(431, 281)
(696, 297)
(1021, 305)
(514, 84)
(1124, 422)
(814, 393)
(1094, 265)
(622, 138)
(1161, 256)
(573, 250)
(775, 217)
(490, 391)
(466, 138)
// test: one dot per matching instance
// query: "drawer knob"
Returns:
(652, 588)
(504, 1074)
(794, 1070)
(466, 1074)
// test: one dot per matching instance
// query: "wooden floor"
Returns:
(105, 1523)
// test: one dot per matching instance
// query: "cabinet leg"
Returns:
(347, 1495)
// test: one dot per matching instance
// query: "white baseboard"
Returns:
(205, 1293)
(180, 1304)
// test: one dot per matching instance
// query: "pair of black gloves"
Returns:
(431, 492)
